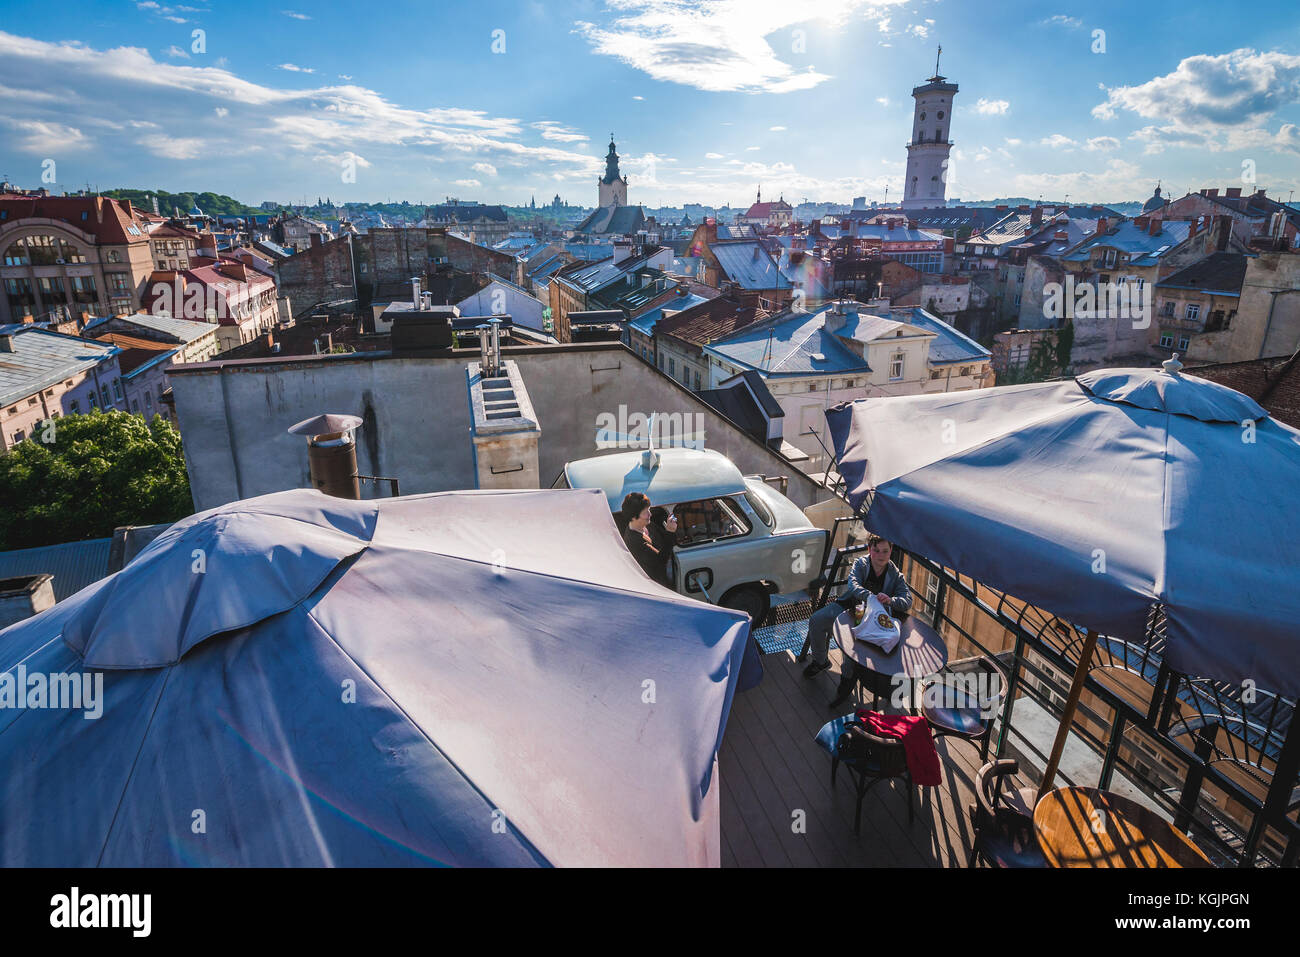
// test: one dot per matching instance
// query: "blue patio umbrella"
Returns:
(468, 678)
(1096, 498)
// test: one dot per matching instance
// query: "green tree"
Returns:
(99, 471)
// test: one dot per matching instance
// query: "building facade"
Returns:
(927, 154)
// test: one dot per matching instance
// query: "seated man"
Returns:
(875, 575)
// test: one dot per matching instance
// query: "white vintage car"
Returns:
(739, 540)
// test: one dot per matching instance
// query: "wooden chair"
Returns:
(1003, 825)
(870, 759)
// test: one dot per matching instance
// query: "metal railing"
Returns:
(1223, 762)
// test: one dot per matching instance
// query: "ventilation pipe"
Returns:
(332, 453)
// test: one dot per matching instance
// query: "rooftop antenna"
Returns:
(936, 59)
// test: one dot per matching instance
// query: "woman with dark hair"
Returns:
(635, 519)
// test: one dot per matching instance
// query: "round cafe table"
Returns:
(919, 652)
(1088, 827)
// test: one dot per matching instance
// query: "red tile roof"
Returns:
(110, 221)
(709, 321)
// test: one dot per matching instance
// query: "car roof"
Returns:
(680, 475)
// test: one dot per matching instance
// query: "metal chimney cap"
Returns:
(326, 425)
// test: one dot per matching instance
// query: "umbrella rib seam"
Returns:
(433, 744)
(126, 786)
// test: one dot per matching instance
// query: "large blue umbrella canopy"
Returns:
(1097, 497)
(469, 678)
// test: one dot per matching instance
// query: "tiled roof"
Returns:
(1222, 273)
(710, 321)
(1143, 248)
(647, 321)
(747, 263)
(41, 358)
(111, 222)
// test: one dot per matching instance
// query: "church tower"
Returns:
(927, 153)
(613, 187)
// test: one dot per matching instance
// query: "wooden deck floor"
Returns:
(771, 767)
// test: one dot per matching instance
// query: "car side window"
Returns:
(709, 520)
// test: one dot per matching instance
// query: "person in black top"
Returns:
(663, 535)
(636, 514)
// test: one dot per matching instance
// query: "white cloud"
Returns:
(106, 89)
(345, 76)
(919, 31)
(468, 183)
(1117, 181)
(487, 169)
(1102, 144)
(1061, 20)
(638, 97)
(987, 107)
(713, 156)
(177, 53)
(1057, 141)
(776, 129)
(295, 69)
(1012, 141)
(882, 100)
(221, 111)
(750, 149)
(719, 45)
(38, 136)
(559, 133)
(295, 14)
(1232, 89)
(172, 147)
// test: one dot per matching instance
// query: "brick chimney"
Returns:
(1212, 193)
(1141, 222)
(1224, 225)
(1233, 192)
(948, 245)
(911, 224)
(1193, 227)
(1036, 216)
(1062, 236)
(1154, 227)
(1102, 225)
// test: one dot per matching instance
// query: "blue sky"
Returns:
(708, 99)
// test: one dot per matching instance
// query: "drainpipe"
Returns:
(1269, 325)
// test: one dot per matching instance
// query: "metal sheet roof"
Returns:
(186, 330)
(42, 358)
(1143, 248)
(74, 565)
(747, 263)
(788, 347)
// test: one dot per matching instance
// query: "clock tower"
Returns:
(927, 153)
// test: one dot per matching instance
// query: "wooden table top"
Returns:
(919, 652)
(1088, 827)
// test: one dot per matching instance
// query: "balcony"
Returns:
(1188, 749)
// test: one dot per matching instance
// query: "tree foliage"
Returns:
(214, 204)
(99, 471)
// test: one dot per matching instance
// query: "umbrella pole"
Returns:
(1071, 703)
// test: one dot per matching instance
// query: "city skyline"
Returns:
(708, 101)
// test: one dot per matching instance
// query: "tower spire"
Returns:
(936, 59)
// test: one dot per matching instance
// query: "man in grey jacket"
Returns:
(875, 575)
